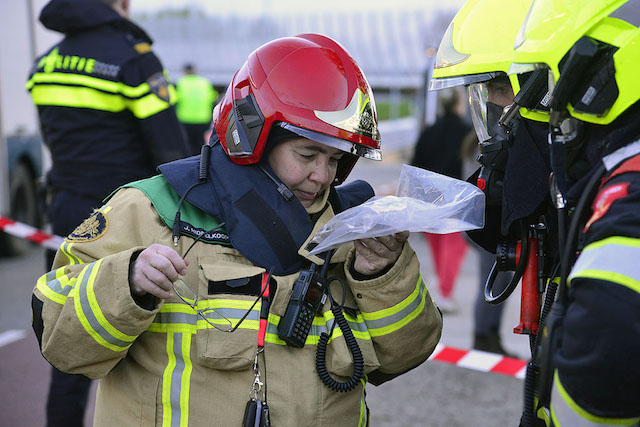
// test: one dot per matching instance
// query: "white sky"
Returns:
(279, 6)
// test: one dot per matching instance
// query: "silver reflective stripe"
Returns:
(621, 154)
(90, 315)
(174, 317)
(618, 255)
(54, 284)
(176, 380)
(390, 320)
(564, 416)
(316, 330)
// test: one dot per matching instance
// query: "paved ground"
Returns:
(434, 394)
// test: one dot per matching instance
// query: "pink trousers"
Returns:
(448, 251)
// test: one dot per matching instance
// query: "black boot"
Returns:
(490, 343)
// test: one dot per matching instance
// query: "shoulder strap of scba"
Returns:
(265, 227)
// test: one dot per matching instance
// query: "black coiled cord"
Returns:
(352, 344)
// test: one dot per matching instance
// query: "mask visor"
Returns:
(478, 96)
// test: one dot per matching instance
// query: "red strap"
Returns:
(264, 309)
(629, 165)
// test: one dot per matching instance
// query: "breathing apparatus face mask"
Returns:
(514, 157)
(494, 142)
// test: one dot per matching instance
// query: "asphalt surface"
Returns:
(434, 394)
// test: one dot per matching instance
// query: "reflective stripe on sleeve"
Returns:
(55, 285)
(91, 316)
(565, 412)
(391, 319)
(65, 248)
(79, 91)
(614, 259)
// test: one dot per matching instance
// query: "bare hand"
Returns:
(156, 268)
(375, 254)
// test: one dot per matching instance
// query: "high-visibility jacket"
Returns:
(196, 97)
(597, 377)
(105, 105)
(166, 366)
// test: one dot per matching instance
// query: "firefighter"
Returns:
(182, 282)
(106, 114)
(588, 361)
(575, 62)
(514, 163)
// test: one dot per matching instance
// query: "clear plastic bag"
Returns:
(424, 201)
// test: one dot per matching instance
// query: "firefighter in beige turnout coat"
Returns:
(109, 310)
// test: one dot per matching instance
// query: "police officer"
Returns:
(106, 114)
(185, 279)
(576, 63)
(196, 98)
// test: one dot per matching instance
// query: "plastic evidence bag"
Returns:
(424, 201)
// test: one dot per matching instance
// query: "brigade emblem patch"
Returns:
(90, 229)
(159, 86)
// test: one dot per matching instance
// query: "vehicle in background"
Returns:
(23, 158)
(20, 178)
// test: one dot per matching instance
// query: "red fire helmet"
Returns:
(308, 85)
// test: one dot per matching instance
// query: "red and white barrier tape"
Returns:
(24, 231)
(480, 361)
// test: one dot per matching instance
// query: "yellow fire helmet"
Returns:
(590, 51)
(477, 47)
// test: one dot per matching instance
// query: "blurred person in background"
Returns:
(196, 98)
(107, 116)
(438, 150)
(199, 340)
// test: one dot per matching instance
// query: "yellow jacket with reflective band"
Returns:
(196, 97)
(168, 367)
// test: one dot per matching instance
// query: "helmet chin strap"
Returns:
(282, 188)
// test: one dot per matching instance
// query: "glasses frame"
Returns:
(196, 298)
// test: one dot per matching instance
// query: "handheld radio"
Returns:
(309, 294)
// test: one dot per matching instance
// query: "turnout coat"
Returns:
(164, 365)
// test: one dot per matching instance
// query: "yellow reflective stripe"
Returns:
(166, 383)
(172, 328)
(173, 94)
(56, 296)
(185, 385)
(610, 276)
(399, 324)
(97, 324)
(78, 97)
(65, 248)
(566, 412)
(612, 259)
(97, 312)
(146, 106)
(90, 82)
(615, 240)
(387, 312)
(363, 406)
(399, 315)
